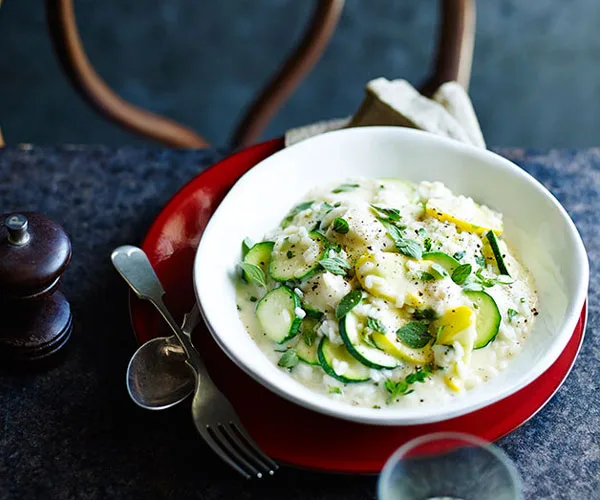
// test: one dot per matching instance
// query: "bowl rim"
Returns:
(397, 416)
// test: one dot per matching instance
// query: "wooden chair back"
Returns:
(452, 62)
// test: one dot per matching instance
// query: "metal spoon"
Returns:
(158, 374)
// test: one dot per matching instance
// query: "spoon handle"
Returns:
(135, 268)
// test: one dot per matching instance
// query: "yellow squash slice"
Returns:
(465, 214)
(452, 323)
(397, 349)
(457, 325)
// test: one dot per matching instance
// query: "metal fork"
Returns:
(221, 428)
(214, 417)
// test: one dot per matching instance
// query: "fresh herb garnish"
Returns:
(295, 211)
(461, 273)
(253, 299)
(410, 248)
(289, 254)
(472, 287)
(334, 390)
(421, 232)
(427, 314)
(401, 387)
(323, 211)
(345, 187)
(394, 231)
(427, 244)
(480, 259)
(254, 273)
(483, 280)
(389, 214)
(247, 244)
(309, 336)
(289, 359)
(414, 334)
(335, 265)
(348, 302)
(438, 270)
(459, 255)
(420, 375)
(404, 245)
(425, 276)
(396, 389)
(340, 225)
(511, 314)
(376, 325)
(486, 282)
(522, 300)
(367, 339)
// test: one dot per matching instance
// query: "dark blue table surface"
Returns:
(71, 431)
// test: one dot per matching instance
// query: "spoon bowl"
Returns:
(158, 376)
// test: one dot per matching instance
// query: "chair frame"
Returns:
(452, 62)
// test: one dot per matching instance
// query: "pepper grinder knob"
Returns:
(17, 229)
(37, 320)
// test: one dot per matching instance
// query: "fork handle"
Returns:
(193, 359)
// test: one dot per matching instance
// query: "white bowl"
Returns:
(535, 224)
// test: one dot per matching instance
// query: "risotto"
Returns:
(383, 292)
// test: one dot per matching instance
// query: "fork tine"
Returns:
(221, 438)
(242, 434)
(217, 448)
(241, 445)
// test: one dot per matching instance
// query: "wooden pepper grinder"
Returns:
(36, 318)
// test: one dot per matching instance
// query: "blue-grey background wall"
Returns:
(536, 71)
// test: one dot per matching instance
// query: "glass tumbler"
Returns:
(449, 466)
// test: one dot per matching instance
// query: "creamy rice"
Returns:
(417, 289)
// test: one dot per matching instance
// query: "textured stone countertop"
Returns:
(71, 432)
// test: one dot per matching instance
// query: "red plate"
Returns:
(288, 432)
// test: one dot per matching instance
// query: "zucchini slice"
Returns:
(491, 237)
(351, 333)
(307, 353)
(312, 313)
(448, 262)
(328, 352)
(487, 321)
(276, 313)
(259, 255)
(288, 262)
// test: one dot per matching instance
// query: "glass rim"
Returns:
(497, 452)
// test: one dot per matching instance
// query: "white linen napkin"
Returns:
(449, 113)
